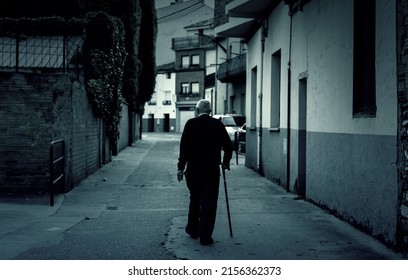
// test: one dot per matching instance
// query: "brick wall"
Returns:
(26, 116)
(220, 17)
(36, 109)
(123, 129)
(402, 56)
(88, 147)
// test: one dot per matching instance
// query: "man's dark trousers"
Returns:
(204, 190)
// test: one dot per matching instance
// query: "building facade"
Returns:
(183, 64)
(172, 21)
(322, 104)
(160, 114)
(231, 71)
(192, 81)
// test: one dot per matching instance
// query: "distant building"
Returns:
(186, 65)
(194, 74)
(160, 110)
(172, 21)
(231, 72)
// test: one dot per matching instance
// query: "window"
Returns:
(232, 104)
(195, 88)
(185, 61)
(243, 101)
(185, 88)
(364, 97)
(168, 75)
(167, 97)
(195, 60)
(275, 89)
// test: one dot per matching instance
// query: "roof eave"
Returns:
(237, 28)
(250, 8)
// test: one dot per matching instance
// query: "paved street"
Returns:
(134, 208)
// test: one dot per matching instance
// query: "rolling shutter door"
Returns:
(184, 117)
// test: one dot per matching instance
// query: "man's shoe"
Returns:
(206, 241)
(191, 233)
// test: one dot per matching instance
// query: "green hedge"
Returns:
(105, 55)
(147, 53)
(119, 47)
(44, 26)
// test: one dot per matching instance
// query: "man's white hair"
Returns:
(203, 106)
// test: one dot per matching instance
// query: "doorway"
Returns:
(301, 184)
(150, 123)
(166, 124)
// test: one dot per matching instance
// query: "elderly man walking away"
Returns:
(201, 144)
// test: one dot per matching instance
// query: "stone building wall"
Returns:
(220, 17)
(26, 115)
(38, 108)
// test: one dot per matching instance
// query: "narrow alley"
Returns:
(135, 209)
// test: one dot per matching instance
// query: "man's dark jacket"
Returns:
(201, 143)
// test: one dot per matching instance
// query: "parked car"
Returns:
(232, 123)
(239, 119)
(242, 138)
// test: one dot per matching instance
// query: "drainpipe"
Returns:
(227, 99)
(263, 36)
(289, 103)
(214, 104)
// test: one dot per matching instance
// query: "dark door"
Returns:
(150, 123)
(301, 187)
(166, 122)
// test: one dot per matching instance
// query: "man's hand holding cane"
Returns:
(180, 175)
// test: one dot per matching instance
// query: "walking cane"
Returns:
(226, 198)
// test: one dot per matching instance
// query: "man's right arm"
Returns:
(183, 153)
(228, 149)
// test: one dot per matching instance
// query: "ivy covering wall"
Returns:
(147, 52)
(105, 55)
(140, 24)
(44, 26)
(118, 66)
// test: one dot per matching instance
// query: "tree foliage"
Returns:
(134, 67)
(105, 56)
(44, 26)
(147, 51)
(40, 8)
(140, 23)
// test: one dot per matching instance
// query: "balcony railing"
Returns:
(189, 67)
(191, 42)
(188, 94)
(232, 69)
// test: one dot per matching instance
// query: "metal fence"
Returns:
(40, 53)
(57, 168)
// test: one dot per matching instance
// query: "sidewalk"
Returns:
(267, 222)
(26, 221)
